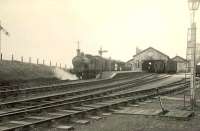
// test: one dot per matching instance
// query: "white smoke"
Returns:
(64, 75)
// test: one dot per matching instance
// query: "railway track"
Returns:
(21, 86)
(64, 110)
(62, 93)
(13, 92)
(71, 96)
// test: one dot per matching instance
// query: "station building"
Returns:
(153, 54)
(147, 54)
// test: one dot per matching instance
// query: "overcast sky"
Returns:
(49, 29)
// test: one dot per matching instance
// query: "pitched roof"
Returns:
(149, 49)
(129, 60)
(178, 57)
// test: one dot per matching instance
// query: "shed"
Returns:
(181, 63)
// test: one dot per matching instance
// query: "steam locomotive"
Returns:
(87, 66)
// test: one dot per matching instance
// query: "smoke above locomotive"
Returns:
(87, 66)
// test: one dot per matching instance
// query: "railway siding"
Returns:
(63, 86)
(65, 110)
(81, 109)
(84, 96)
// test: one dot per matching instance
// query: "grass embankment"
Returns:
(24, 71)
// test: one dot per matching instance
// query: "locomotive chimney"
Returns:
(78, 49)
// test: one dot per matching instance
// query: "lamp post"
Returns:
(193, 6)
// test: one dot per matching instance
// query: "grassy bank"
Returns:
(24, 71)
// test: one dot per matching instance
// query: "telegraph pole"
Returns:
(0, 36)
(193, 6)
(101, 51)
(101, 54)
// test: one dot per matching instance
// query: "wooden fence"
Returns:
(38, 61)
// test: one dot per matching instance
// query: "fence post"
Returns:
(60, 66)
(50, 63)
(65, 66)
(22, 59)
(29, 59)
(1, 57)
(56, 64)
(12, 57)
(43, 62)
(37, 61)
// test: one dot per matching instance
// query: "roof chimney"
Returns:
(138, 50)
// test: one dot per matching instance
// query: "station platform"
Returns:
(113, 74)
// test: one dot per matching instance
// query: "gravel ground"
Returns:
(141, 123)
(120, 122)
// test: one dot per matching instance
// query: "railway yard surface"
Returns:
(133, 102)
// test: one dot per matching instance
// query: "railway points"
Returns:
(98, 98)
